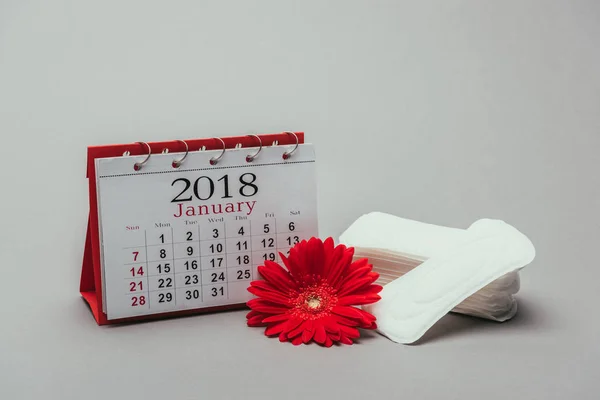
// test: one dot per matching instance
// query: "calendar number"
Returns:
(293, 240)
(165, 283)
(291, 226)
(138, 301)
(225, 179)
(189, 236)
(163, 253)
(163, 269)
(216, 248)
(214, 292)
(269, 256)
(139, 271)
(206, 186)
(215, 233)
(191, 265)
(135, 255)
(248, 184)
(242, 245)
(243, 260)
(216, 262)
(214, 277)
(135, 286)
(192, 294)
(190, 250)
(165, 297)
(187, 186)
(191, 279)
(243, 274)
(241, 231)
(266, 228)
(269, 242)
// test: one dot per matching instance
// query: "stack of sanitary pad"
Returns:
(494, 301)
(471, 271)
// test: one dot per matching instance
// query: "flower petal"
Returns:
(309, 325)
(345, 340)
(354, 285)
(328, 250)
(374, 275)
(277, 276)
(357, 270)
(307, 336)
(366, 315)
(328, 342)
(308, 332)
(274, 329)
(346, 311)
(291, 263)
(341, 267)
(315, 256)
(266, 286)
(330, 325)
(277, 318)
(333, 262)
(320, 334)
(287, 264)
(292, 323)
(256, 320)
(359, 263)
(265, 306)
(356, 273)
(358, 300)
(328, 246)
(350, 332)
(335, 336)
(274, 297)
(297, 265)
(371, 289)
(306, 325)
(297, 341)
(345, 321)
(373, 325)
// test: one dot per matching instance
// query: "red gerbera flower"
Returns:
(313, 299)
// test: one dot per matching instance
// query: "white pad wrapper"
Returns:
(432, 270)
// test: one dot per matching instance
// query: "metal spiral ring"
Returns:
(138, 165)
(215, 160)
(288, 154)
(177, 163)
(251, 157)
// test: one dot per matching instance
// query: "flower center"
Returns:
(315, 301)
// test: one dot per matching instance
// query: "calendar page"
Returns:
(192, 237)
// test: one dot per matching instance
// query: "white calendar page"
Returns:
(193, 237)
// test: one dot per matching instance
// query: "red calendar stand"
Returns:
(91, 279)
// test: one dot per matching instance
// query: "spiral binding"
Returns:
(214, 160)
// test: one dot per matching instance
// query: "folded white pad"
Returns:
(473, 271)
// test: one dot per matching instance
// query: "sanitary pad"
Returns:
(429, 270)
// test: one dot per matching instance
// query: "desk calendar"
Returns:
(180, 227)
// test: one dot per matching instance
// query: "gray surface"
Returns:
(443, 112)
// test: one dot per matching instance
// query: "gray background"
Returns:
(444, 112)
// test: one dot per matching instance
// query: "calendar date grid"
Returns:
(196, 266)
